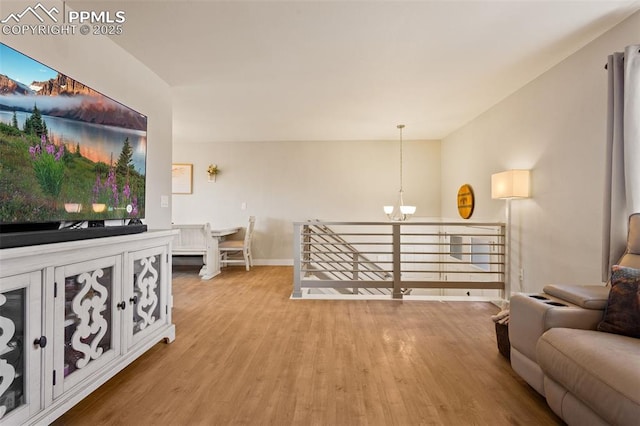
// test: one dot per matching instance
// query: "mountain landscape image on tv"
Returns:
(67, 152)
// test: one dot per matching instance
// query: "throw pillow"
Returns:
(622, 314)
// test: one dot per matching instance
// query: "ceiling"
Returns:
(349, 70)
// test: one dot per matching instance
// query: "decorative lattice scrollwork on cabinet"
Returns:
(89, 305)
(146, 288)
(18, 369)
(7, 371)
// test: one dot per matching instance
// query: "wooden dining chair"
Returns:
(231, 250)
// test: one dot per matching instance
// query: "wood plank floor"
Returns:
(245, 354)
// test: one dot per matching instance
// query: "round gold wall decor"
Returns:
(466, 201)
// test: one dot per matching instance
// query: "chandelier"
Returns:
(399, 211)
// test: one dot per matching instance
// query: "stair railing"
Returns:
(327, 253)
(396, 257)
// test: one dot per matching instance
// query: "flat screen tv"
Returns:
(68, 153)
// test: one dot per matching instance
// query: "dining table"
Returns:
(212, 266)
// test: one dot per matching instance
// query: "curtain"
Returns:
(622, 171)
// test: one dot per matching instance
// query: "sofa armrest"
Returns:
(531, 315)
(587, 297)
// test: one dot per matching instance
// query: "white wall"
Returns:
(99, 63)
(283, 182)
(556, 126)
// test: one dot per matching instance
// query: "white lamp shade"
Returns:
(408, 209)
(388, 209)
(511, 184)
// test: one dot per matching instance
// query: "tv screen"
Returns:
(67, 152)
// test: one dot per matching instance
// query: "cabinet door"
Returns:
(87, 320)
(20, 358)
(146, 293)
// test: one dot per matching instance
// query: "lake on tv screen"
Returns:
(99, 143)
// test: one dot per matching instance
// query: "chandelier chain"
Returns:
(401, 126)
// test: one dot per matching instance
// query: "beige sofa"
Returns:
(588, 377)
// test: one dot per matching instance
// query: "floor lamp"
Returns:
(509, 185)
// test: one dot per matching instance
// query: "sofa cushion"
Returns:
(599, 369)
(622, 314)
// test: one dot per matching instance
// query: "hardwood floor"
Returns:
(245, 354)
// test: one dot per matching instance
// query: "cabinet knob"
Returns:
(134, 299)
(41, 341)
(121, 305)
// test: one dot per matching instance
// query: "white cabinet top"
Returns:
(36, 257)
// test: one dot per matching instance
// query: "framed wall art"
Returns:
(182, 178)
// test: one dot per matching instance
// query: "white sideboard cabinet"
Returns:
(73, 314)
